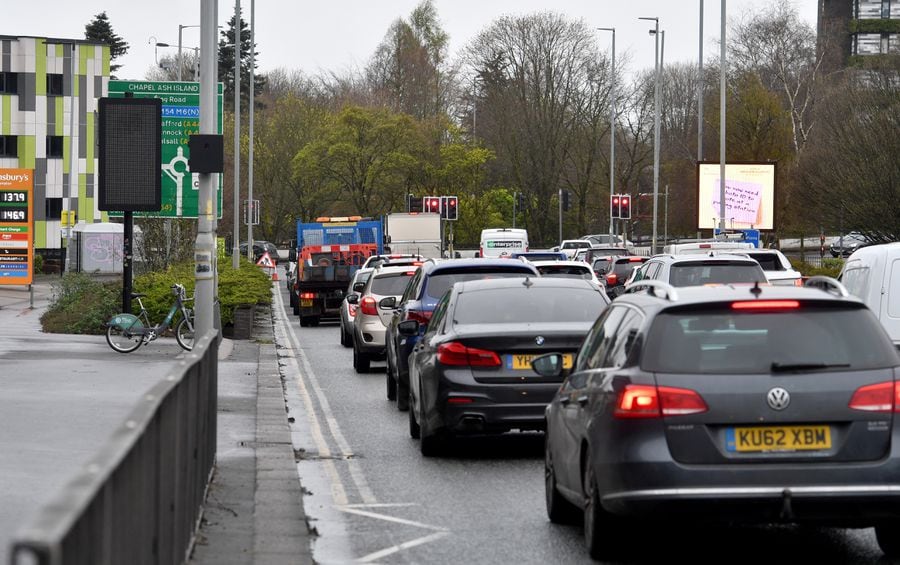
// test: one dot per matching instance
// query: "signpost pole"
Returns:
(126, 262)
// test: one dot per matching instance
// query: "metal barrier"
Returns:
(138, 501)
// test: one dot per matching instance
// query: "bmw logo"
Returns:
(539, 340)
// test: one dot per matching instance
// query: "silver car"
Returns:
(348, 311)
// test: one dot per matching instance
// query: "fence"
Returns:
(139, 500)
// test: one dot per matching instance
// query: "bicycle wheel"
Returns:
(184, 333)
(122, 341)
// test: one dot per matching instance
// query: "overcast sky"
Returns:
(337, 35)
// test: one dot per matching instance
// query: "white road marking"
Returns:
(362, 486)
(387, 518)
(406, 545)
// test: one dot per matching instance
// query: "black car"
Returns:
(851, 242)
(260, 248)
(471, 370)
(747, 404)
(614, 270)
(427, 286)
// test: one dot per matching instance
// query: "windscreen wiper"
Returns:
(777, 367)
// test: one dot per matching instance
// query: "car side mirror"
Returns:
(408, 327)
(353, 299)
(359, 287)
(388, 303)
(549, 365)
(292, 255)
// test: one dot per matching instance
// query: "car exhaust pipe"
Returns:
(787, 511)
(471, 423)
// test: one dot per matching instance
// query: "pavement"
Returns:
(254, 508)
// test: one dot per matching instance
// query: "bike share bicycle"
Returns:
(126, 332)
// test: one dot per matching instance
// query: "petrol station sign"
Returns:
(180, 119)
(16, 220)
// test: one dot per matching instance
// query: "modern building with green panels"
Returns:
(41, 80)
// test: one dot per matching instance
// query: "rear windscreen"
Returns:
(390, 285)
(566, 271)
(727, 341)
(507, 306)
(701, 273)
(768, 261)
(439, 283)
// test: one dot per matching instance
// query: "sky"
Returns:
(338, 36)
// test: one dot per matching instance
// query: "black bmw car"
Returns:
(471, 370)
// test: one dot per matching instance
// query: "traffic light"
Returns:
(431, 204)
(450, 208)
(413, 203)
(564, 200)
(614, 210)
(625, 207)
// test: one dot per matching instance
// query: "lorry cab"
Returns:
(873, 274)
(503, 242)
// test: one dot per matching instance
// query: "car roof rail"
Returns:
(653, 285)
(827, 284)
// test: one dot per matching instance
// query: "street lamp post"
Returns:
(250, 203)
(612, 127)
(656, 120)
(723, 69)
(700, 83)
(236, 244)
(180, 62)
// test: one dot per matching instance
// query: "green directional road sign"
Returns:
(180, 119)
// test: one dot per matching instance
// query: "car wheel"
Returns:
(888, 539)
(345, 337)
(402, 396)
(414, 431)
(431, 445)
(559, 510)
(313, 321)
(390, 384)
(360, 360)
(296, 309)
(601, 531)
(304, 321)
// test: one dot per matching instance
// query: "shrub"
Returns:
(38, 264)
(81, 305)
(829, 268)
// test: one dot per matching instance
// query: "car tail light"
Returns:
(455, 353)
(765, 305)
(459, 400)
(307, 295)
(352, 310)
(367, 306)
(798, 282)
(612, 279)
(881, 397)
(635, 259)
(481, 251)
(647, 401)
(421, 316)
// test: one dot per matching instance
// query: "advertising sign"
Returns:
(180, 120)
(16, 217)
(749, 196)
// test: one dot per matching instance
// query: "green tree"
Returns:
(226, 64)
(99, 29)
(367, 156)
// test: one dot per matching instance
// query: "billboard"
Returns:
(749, 196)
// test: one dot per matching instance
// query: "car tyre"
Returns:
(360, 360)
(431, 445)
(296, 309)
(304, 322)
(346, 341)
(559, 510)
(415, 431)
(888, 539)
(402, 396)
(390, 383)
(601, 530)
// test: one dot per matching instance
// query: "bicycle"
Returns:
(126, 332)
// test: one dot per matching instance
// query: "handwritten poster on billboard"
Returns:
(749, 196)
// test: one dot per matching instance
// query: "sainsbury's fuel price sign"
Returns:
(16, 249)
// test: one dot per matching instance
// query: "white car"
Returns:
(567, 269)
(777, 267)
(571, 246)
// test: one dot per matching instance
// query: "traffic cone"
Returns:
(274, 270)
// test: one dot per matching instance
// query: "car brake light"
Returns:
(647, 401)
(705, 246)
(456, 354)
(307, 295)
(765, 305)
(635, 259)
(421, 316)
(612, 279)
(367, 306)
(352, 310)
(881, 397)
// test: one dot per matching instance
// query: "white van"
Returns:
(502, 242)
(873, 274)
(705, 246)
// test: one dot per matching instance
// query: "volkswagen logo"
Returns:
(778, 398)
(539, 340)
